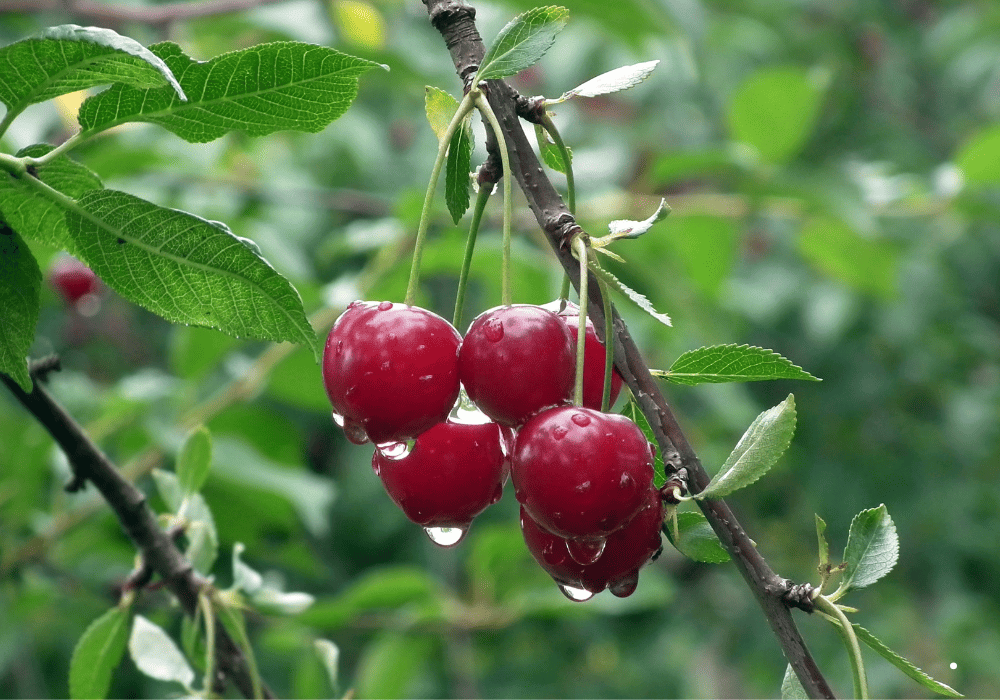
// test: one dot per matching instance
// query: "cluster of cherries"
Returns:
(590, 513)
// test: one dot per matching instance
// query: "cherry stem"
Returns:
(564, 292)
(485, 190)
(581, 336)
(550, 127)
(425, 213)
(506, 295)
(609, 345)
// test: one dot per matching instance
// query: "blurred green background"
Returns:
(834, 174)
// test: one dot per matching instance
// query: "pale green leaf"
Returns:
(762, 444)
(245, 578)
(329, 655)
(623, 228)
(824, 546)
(696, 540)
(97, 654)
(718, 364)
(20, 284)
(523, 41)
(905, 665)
(631, 411)
(68, 58)
(156, 655)
(186, 269)
(872, 548)
(979, 157)
(194, 460)
(202, 536)
(867, 264)
(457, 180)
(612, 81)
(258, 90)
(641, 301)
(791, 687)
(440, 108)
(549, 151)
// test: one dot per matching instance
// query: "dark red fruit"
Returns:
(73, 279)
(580, 473)
(391, 368)
(450, 475)
(517, 360)
(625, 552)
(594, 356)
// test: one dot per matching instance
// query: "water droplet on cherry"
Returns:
(577, 595)
(625, 586)
(446, 536)
(493, 329)
(396, 450)
(581, 419)
(340, 347)
(385, 306)
(586, 551)
(338, 419)
(582, 488)
(625, 481)
(559, 432)
(354, 431)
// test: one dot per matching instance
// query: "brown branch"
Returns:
(156, 15)
(156, 546)
(455, 20)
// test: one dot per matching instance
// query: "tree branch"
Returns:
(157, 548)
(157, 15)
(455, 20)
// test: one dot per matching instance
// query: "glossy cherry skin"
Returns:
(627, 550)
(594, 357)
(515, 361)
(451, 474)
(72, 279)
(580, 473)
(391, 368)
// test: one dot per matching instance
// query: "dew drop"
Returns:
(559, 432)
(467, 413)
(493, 329)
(581, 419)
(426, 378)
(446, 536)
(582, 488)
(497, 493)
(338, 419)
(386, 366)
(396, 450)
(354, 431)
(625, 481)
(385, 306)
(340, 347)
(625, 586)
(586, 551)
(577, 595)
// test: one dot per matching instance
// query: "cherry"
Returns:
(594, 356)
(627, 550)
(73, 279)
(391, 370)
(515, 361)
(580, 473)
(450, 475)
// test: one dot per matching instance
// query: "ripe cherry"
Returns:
(391, 368)
(627, 550)
(517, 360)
(449, 475)
(580, 473)
(594, 356)
(72, 279)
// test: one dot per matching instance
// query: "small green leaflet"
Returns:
(824, 546)
(612, 81)
(632, 412)
(329, 655)
(872, 549)
(440, 108)
(523, 41)
(549, 151)
(97, 654)
(791, 687)
(68, 58)
(457, 180)
(642, 302)
(718, 364)
(156, 655)
(696, 540)
(202, 536)
(762, 444)
(904, 665)
(194, 460)
(20, 284)
(258, 90)
(35, 216)
(623, 228)
(186, 269)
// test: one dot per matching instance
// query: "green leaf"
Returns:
(696, 540)
(440, 108)
(631, 411)
(457, 180)
(97, 654)
(718, 364)
(523, 41)
(195, 460)
(872, 549)
(641, 301)
(867, 264)
(623, 228)
(20, 284)
(791, 687)
(232, 619)
(904, 665)
(391, 664)
(387, 588)
(263, 593)
(824, 546)
(258, 90)
(549, 151)
(35, 216)
(775, 111)
(245, 578)
(68, 58)
(979, 157)
(762, 444)
(202, 536)
(186, 269)
(329, 655)
(613, 81)
(156, 655)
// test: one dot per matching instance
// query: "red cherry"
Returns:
(515, 361)
(73, 279)
(625, 552)
(450, 475)
(594, 356)
(580, 473)
(391, 368)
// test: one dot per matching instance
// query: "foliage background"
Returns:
(833, 170)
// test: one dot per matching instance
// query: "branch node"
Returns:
(41, 368)
(798, 595)
(530, 109)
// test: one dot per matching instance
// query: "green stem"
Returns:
(484, 107)
(425, 213)
(485, 190)
(609, 345)
(564, 292)
(67, 145)
(205, 606)
(846, 630)
(550, 127)
(581, 337)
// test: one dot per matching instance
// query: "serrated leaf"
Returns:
(457, 180)
(35, 216)
(440, 108)
(258, 90)
(791, 687)
(68, 58)
(718, 364)
(696, 540)
(905, 665)
(20, 284)
(550, 152)
(194, 460)
(824, 546)
(762, 444)
(641, 301)
(186, 269)
(523, 41)
(623, 228)
(97, 654)
(612, 81)
(872, 548)
(156, 655)
(631, 411)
